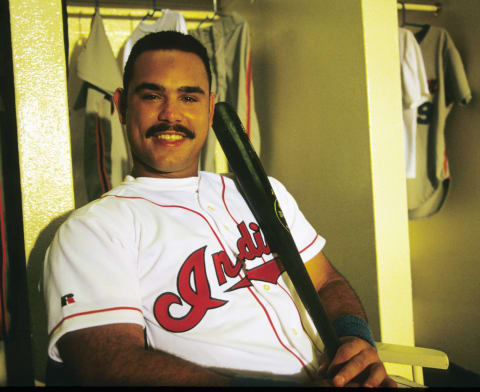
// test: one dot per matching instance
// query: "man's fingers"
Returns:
(352, 366)
(376, 375)
(350, 370)
(345, 352)
(356, 363)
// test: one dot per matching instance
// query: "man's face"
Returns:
(168, 113)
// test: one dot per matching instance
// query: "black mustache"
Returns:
(169, 127)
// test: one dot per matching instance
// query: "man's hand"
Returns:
(356, 363)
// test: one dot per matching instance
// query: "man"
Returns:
(167, 280)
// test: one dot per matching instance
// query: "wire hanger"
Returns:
(404, 17)
(155, 9)
(211, 18)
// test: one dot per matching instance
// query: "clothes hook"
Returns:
(153, 11)
(403, 13)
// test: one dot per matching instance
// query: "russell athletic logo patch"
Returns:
(67, 299)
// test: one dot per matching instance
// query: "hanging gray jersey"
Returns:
(448, 85)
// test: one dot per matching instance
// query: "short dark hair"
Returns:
(165, 40)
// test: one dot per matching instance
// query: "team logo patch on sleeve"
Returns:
(67, 299)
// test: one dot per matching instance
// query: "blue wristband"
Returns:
(350, 325)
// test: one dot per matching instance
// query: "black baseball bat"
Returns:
(255, 188)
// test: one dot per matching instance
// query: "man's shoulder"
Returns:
(109, 204)
(230, 177)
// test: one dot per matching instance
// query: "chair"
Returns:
(417, 357)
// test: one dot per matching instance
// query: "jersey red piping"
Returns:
(224, 202)
(445, 165)
(276, 334)
(172, 206)
(286, 291)
(301, 321)
(309, 245)
(248, 82)
(258, 300)
(101, 157)
(92, 312)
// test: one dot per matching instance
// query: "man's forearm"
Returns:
(345, 310)
(336, 295)
(153, 368)
(338, 299)
(115, 355)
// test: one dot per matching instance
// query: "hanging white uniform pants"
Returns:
(228, 45)
(100, 153)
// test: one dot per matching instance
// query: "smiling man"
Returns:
(167, 279)
(168, 109)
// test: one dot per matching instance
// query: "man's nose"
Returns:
(169, 111)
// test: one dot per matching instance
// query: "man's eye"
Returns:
(189, 98)
(150, 97)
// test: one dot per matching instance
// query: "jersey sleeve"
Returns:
(309, 242)
(90, 276)
(413, 74)
(457, 89)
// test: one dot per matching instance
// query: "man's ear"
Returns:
(212, 109)
(120, 99)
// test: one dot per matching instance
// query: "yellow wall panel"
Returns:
(42, 113)
(43, 142)
(388, 174)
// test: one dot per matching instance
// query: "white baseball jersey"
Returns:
(167, 254)
(414, 93)
(448, 85)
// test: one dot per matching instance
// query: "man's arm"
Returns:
(115, 354)
(355, 357)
